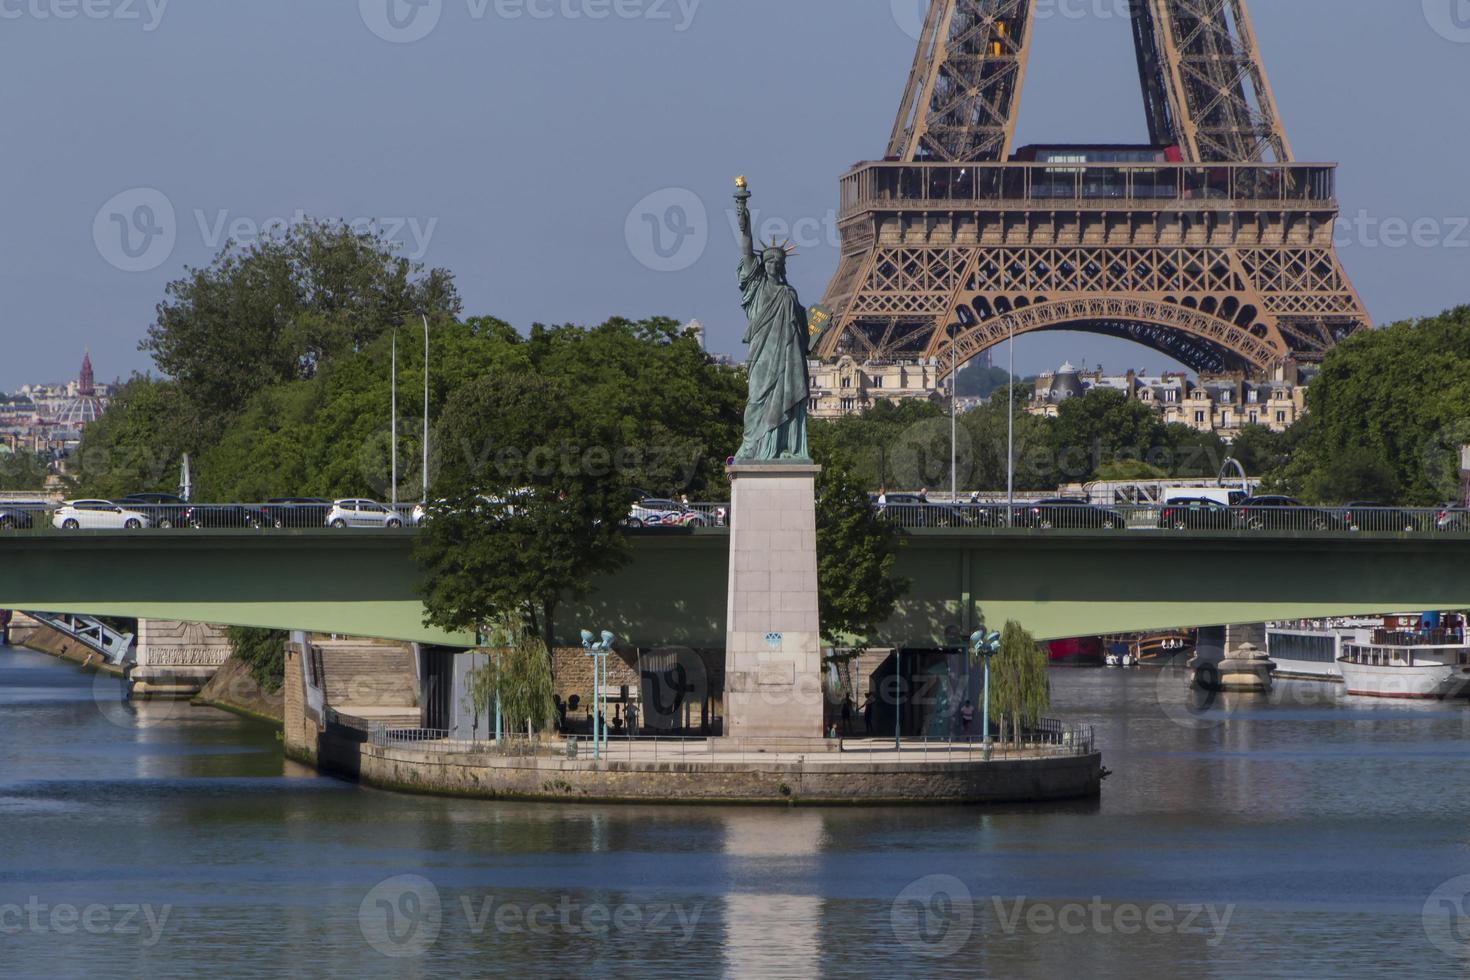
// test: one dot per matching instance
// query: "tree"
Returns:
(1020, 692)
(678, 413)
(856, 554)
(1101, 427)
(138, 443)
(527, 506)
(22, 470)
(1394, 401)
(517, 674)
(263, 652)
(1259, 450)
(278, 309)
(977, 382)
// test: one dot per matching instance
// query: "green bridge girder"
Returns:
(1057, 583)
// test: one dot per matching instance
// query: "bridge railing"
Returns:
(1048, 738)
(1045, 516)
(909, 513)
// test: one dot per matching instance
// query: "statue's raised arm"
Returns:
(742, 212)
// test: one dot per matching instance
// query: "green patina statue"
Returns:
(779, 335)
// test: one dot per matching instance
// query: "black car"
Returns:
(165, 510)
(1368, 516)
(914, 510)
(223, 516)
(1275, 513)
(1196, 514)
(1072, 514)
(16, 519)
(286, 512)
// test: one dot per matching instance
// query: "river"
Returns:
(1303, 835)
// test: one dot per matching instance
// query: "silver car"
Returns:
(363, 513)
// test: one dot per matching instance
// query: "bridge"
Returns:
(1059, 583)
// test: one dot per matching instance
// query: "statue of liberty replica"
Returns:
(775, 413)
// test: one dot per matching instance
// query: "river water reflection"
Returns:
(1300, 836)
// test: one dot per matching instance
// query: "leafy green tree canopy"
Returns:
(527, 505)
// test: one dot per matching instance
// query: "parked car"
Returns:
(97, 515)
(15, 519)
(1285, 514)
(287, 512)
(1368, 516)
(1063, 513)
(661, 512)
(165, 510)
(223, 517)
(1453, 517)
(362, 513)
(1196, 514)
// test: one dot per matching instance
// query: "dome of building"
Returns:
(1066, 383)
(87, 407)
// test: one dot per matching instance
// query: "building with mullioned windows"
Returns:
(847, 386)
(1218, 403)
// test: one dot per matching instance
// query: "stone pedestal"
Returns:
(176, 660)
(773, 647)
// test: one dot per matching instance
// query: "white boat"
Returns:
(1398, 664)
(1311, 649)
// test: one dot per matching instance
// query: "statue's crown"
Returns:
(782, 249)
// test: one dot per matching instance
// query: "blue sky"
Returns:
(532, 146)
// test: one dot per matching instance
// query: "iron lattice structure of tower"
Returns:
(1218, 252)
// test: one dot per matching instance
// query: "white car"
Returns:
(363, 513)
(97, 515)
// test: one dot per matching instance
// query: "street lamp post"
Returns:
(985, 645)
(954, 483)
(598, 651)
(1011, 428)
(393, 411)
(898, 699)
(425, 500)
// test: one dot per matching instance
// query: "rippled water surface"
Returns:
(1301, 835)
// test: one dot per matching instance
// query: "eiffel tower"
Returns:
(1211, 245)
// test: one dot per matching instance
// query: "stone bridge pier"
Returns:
(176, 659)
